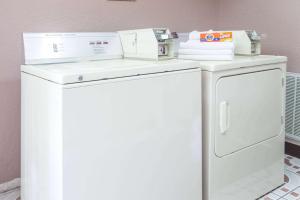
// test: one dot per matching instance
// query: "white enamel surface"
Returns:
(41, 139)
(134, 139)
(253, 171)
(241, 62)
(127, 138)
(96, 70)
(254, 105)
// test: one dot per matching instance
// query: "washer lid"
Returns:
(241, 62)
(107, 69)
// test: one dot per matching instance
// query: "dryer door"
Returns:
(249, 110)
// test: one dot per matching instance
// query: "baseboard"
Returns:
(11, 185)
(292, 149)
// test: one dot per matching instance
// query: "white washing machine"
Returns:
(115, 129)
(243, 127)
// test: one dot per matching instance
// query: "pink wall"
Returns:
(279, 19)
(69, 15)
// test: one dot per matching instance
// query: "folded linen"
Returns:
(195, 35)
(205, 52)
(206, 57)
(195, 44)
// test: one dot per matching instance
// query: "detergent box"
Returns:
(216, 37)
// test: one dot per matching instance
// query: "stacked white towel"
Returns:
(194, 49)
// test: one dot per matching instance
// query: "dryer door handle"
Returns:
(224, 117)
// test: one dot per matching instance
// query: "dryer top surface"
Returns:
(241, 62)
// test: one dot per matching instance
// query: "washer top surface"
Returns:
(241, 62)
(66, 73)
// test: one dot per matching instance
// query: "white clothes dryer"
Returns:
(243, 127)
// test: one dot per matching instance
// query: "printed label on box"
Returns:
(216, 37)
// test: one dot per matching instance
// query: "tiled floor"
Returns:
(10, 195)
(291, 190)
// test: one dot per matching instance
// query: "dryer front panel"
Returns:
(249, 110)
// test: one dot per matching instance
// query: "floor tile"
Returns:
(11, 195)
(291, 190)
(294, 195)
(293, 164)
(284, 190)
(270, 196)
